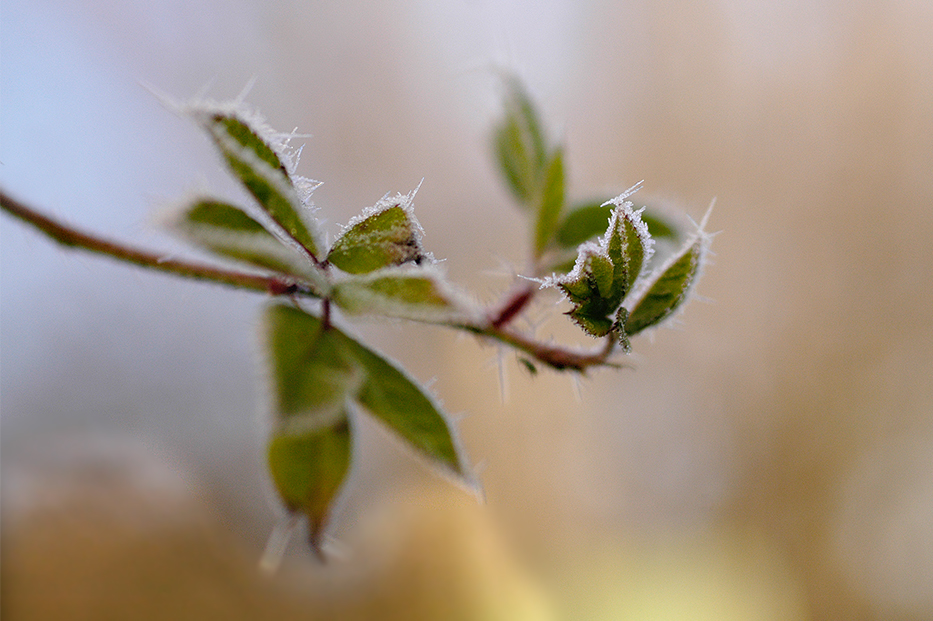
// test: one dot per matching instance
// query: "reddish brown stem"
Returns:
(73, 238)
(494, 327)
(513, 306)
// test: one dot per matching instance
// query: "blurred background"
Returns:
(771, 457)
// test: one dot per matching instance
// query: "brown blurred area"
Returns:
(769, 458)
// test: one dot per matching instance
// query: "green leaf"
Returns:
(313, 372)
(407, 410)
(261, 169)
(587, 220)
(584, 222)
(226, 230)
(387, 236)
(245, 136)
(589, 286)
(668, 290)
(519, 144)
(417, 293)
(316, 371)
(629, 244)
(605, 272)
(308, 470)
(551, 202)
(592, 320)
(314, 375)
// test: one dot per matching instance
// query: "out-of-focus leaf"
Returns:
(261, 170)
(584, 222)
(314, 375)
(519, 144)
(551, 202)
(313, 372)
(381, 239)
(317, 370)
(668, 290)
(408, 411)
(245, 136)
(406, 292)
(226, 230)
(658, 226)
(308, 469)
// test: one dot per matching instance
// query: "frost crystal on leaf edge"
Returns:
(201, 110)
(600, 247)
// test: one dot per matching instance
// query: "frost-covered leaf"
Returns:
(592, 321)
(605, 271)
(228, 231)
(628, 244)
(587, 220)
(418, 293)
(551, 202)
(666, 291)
(408, 410)
(308, 469)
(387, 235)
(519, 144)
(590, 287)
(261, 169)
(228, 125)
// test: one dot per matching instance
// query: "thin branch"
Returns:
(494, 327)
(513, 305)
(552, 355)
(72, 238)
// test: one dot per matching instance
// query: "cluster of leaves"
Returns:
(378, 266)
(607, 270)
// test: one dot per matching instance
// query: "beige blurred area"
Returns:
(770, 457)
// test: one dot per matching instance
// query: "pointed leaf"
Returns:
(261, 169)
(417, 293)
(668, 290)
(589, 286)
(519, 144)
(240, 131)
(228, 231)
(628, 245)
(606, 270)
(408, 410)
(551, 202)
(308, 470)
(388, 236)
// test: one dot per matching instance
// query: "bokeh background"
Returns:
(769, 458)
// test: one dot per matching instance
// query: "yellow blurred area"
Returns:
(120, 534)
(771, 457)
